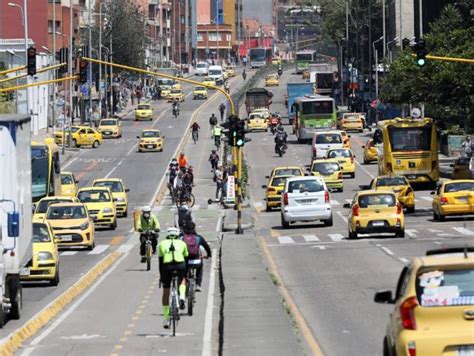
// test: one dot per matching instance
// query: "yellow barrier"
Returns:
(5, 90)
(448, 59)
(16, 69)
(38, 71)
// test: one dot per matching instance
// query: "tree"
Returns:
(445, 88)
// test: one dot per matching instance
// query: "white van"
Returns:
(202, 68)
(324, 140)
(216, 73)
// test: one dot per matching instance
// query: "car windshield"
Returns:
(410, 138)
(115, 187)
(207, 79)
(329, 138)
(278, 181)
(74, 129)
(215, 72)
(392, 181)
(45, 203)
(287, 172)
(464, 161)
(325, 167)
(143, 107)
(40, 233)
(108, 123)
(150, 134)
(66, 212)
(201, 65)
(458, 187)
(301, 186)
(175, 91)
(376, 199)
(255, 117)
(94, 196)
(444, 288)
(66, 179)
(340, 153)
(352, 118)
(200, 88)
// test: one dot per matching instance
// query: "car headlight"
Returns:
(121, 200)
(107, 210)
(45, 256)
(85, 226)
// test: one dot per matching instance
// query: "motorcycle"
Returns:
(280, 72)
(280, 149)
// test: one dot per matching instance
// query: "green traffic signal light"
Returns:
(421, 62)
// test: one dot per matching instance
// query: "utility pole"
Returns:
(89, 112)
(420, 6)
(71, 48)
(370, 49)
(383, 28)
(100, 57)
(111, 79)
(25, 16)
(217, 30)
(54, 62)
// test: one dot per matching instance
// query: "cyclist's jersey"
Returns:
(217, 131)
(172, 251)
(147, 225)
(182, 161)
(195, 126)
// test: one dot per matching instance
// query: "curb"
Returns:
(33, 325)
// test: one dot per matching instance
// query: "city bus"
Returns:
(312, 113)
(408, 147)
(45, 170)
(303, 59)
(260, 57)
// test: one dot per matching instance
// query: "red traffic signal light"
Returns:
(82, 71)
(31, 62)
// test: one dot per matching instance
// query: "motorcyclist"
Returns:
(148, 223)
(280, 138)
(173, 169)
(222, 110)
(227, 87)
(195, 130)
(175, 107)
(280, 71)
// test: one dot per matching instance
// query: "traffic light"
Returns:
(31, 65)
(82, 71)
(230, 129)
(240, 133)
(421, 52)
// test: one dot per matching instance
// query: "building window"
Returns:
(213, 36)
(50, 26)
(182, 19)
(200, 37)
(228, 37)
(55, 1)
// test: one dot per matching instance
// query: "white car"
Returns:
(216, 73)
(323, 141)
(202, 68)
(305, 199)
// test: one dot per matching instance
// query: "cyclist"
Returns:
(194, 241)
(195, 131)
(183, 216)
(188, 177)
(182, 161)
(172, 254)
(148, 222)
(178, 183)
(214, 160)
(222, 110)
(212, 122)
(217, 132)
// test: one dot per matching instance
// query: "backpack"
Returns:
(184, 216)
(193, 245)
(279, 138)
(213, 120)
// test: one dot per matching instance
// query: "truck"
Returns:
(16, 237)
(294, 90)
(257, 98)
(322, 81)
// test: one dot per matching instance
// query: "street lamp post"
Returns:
(376, 66)
(395, 40)
(70, 94)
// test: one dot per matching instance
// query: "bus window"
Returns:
(318, 107)
(410, 139)
(57, 165)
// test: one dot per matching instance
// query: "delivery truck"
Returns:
(294, 90)
(257, 98)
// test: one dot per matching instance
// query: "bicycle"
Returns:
(174, 302)
(195, 136)
(148, 248)
(185, 195)
(190, 284)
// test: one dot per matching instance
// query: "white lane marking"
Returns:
(310, 238)
(342, 216)
(404, 260)
(285, 240)
(349, 201)
(445, 235)
(320, 247)
(158, 208)
(336, 237)
(68, 253)
(99, 249)
(257, 204)
(335, 202)
(387, 251)
(365, 170)
(219, 224)
(427, 198)
(437, 242)
(71, 309)
(111, 171)
(464, 231)
(412, 233)
(207, 337)
(69, 163)
(125, 248)
(196, 207)
(435, 230)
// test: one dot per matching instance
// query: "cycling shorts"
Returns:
(168, 273)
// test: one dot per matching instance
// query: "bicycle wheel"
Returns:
(191, 200)
(148, 255)
(190, 296)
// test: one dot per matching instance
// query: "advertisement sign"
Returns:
(230, 194)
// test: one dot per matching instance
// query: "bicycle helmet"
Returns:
(146, 210)
(172, 233)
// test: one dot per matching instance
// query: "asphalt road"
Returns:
(332, 279)
(127, 297)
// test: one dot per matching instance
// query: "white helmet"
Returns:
(146, 209)
(172, 233)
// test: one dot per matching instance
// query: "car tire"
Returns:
(440, 218)
(268, 208)
(352, 235)
(16, 304)
(386, 351)
(400, 233)
(74, 143)
(91, 247)
(95, 144)
(328, 222)
(341, 190)
(285, 224)
(411, 210)
(55, 281)
(365, 161)
(352, 175)
(125, 214)
(113, 226)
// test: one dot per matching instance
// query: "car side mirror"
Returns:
(267, 177)
(384, 297)
(127, 190)
(264, 186)
(364, 187)
(432, 193)
(138, 137)
(163, 137)
(349, 136)
(76, 181)
(13, 223)
(33, 208)
(363, 146)
(346, 206)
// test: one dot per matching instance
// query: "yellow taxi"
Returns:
(286, 171)
(119, 193)
(199, 92)
(68, 184)
(256, 122)
(45, 262)
(271, 81)
(375, 212)
(209, 81)
(400, 186)
(346, 159)
(165, 91)
(433, 305)
(264, 112)
(453, 197)
(58, 135)
(230, 72)
(306, 74)
(150, 140)
(71, 224)
(273, 191)
(81, 136)
(110, 128)
(144, 111)
(331, 172)
(177, 86)
(351, 121)
(176, 94)
(463, 168)
(345, 139)
(42, 206)
(100, 204)
(276, 61)
(370, 152)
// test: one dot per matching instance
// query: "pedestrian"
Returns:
(214, 160)
(212, 123)
(219, 179)
(222, 111)
(132, 96)
(467, 147)
(95, 117)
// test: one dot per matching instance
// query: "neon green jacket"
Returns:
(151, 224)
(178, 255)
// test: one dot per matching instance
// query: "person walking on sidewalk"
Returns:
(467, 146)
(214, 160)
(222, 111)
(219, 179)
(212, 123)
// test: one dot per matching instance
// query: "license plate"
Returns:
(341, 161)
(411, 177)
(66, 238)
(107, 132)
(378, 223)
(465, 350)
(308, 201)
(25, 271)
(463, 199)
(149, 146)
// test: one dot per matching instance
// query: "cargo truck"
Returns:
(257, 98)
(15, 211)
(294, 90)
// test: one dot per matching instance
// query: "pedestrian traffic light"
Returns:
(421, 52)
(82, 71)
(31, 65)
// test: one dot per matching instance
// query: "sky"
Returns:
(259, 9)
